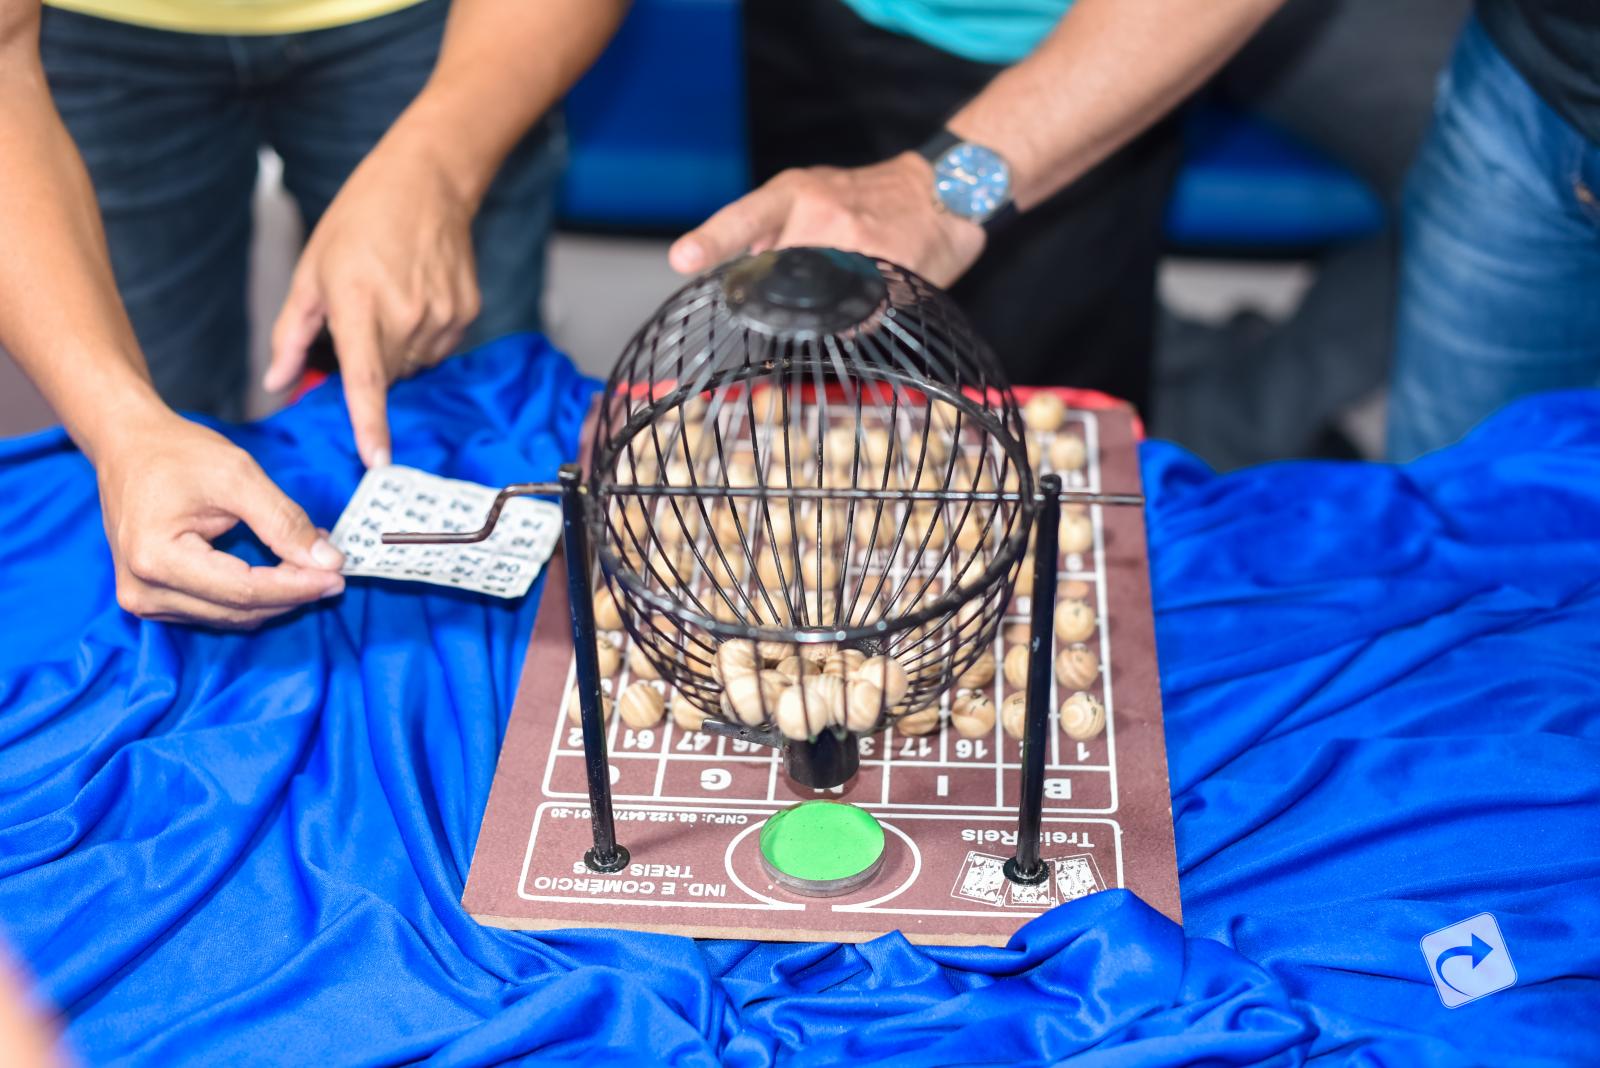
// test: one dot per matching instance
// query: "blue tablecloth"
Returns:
(1383, 711)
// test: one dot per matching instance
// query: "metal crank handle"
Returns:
(1068, 496)
(446, 537)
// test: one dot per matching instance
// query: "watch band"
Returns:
(1003, 216)
(935, 148)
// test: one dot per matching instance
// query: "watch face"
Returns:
(971, 181)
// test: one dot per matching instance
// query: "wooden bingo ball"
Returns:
(678, 527)
(672, 565)
(815, 654)
(777, 524)
(926, 530)
(1015, 667)
(981, 673)
(1077, 667)
(922, 721)
(769, 405)
(888, 675)
(774, 652)
(606, 614)
(633, 523)
(741, 474)
(875, 445)
(864, 705)
(608, 654)
(678, 473)
(818, 571)
(972, 715)
(946, 417)
(575, 709)
(641, 706)
(727, 607)
(727, 567)
(632, 470)
(824, 525)
(974, 474)
(686, 715)
(1014, 714)
(640, 666)
(739, 656)
(693, 407)
(821, 606)
(845, 663)
(837, 478)
(791, 668)
(1077, 533)
(1044, 412)
(1074, 620)
(774, 567)
(969, 621)
(725, 531)
(806, 709)
(974, 532)
(1082, 716)
(874, 527)
(1068, 453)
(839, 447)
(754, 695)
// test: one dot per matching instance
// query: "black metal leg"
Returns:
(1025, 866)
(607, 855)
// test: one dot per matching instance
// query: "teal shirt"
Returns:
(987, 31)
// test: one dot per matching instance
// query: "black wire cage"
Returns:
(809, 497)
(808, 469)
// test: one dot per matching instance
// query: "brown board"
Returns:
(689, 805)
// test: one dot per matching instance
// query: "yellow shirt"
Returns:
(234, 16)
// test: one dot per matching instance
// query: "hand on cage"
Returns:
(885, 210)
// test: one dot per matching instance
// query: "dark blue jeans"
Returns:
(1500, 255)
(170, 126)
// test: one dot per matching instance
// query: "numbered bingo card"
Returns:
(398, 499)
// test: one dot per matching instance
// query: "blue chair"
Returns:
(657, 126)
(1248, 187)
(658, 143)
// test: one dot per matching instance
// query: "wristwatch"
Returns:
(970, 180)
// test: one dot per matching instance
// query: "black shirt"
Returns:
(1555, 44)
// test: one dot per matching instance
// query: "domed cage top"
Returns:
(811, 452)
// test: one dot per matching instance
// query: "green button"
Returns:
(822, 847)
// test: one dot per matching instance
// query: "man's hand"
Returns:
(885, 210)
(390, 271)
(169, 488)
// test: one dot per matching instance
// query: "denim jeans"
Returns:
(170, 126)
(1500, 255)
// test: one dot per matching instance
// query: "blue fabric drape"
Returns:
(1383, 717)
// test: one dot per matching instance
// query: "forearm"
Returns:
(1108, 71)
(503, 64)
(60, 316)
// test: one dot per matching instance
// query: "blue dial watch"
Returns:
(969, 180)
